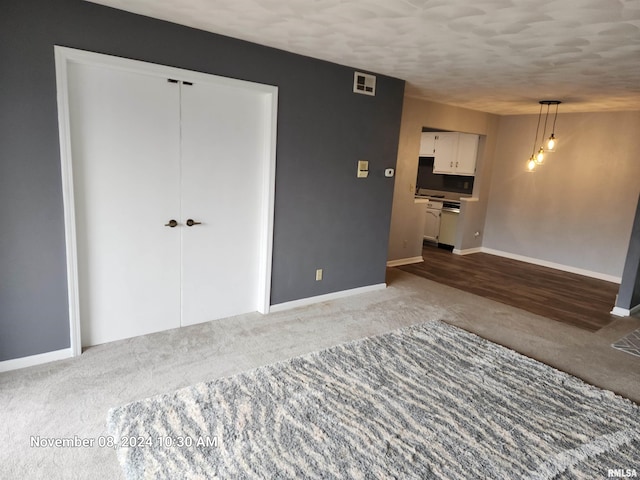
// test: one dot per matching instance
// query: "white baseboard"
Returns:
(620, 312)
(624, 312)
(404, 261)
(32, 360)
(557, 266)
(303, 302)
(467, 251)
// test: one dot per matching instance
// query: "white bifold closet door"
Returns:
(147, 151)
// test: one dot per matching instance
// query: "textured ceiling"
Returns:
(498, 56)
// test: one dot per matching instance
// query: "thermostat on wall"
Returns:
(388, 172)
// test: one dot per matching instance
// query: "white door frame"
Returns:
(63, 57)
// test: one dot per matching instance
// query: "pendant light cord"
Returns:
(545, 124)
(535, 142)
(554, 119)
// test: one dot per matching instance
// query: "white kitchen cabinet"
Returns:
(420, 207)
(431, 225)
(455, 153)
(467, 154)
(446, 151)
(428, 144)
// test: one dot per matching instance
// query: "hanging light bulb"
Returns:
(540, 154)
(552, 142)
(533, 160)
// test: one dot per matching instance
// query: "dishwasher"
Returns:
(448, 224)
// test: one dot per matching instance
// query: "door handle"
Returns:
(172, 223)
(191, 223)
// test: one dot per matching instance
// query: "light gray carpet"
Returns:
(426, 401)
(72, 397)
(629, 343)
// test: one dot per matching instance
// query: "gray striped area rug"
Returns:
(427, 401)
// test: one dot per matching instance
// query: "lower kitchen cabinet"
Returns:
(432, 222)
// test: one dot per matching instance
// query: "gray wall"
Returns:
(578, 209)
(325, 217)
(629, 292)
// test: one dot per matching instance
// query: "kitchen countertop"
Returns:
(449, 197)
(423, 199)
(426, 195)
(437, 199)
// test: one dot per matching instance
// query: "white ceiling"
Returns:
(498, 56)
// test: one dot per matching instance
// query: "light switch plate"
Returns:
(363, 168)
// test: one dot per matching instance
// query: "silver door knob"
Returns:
(191, 223)
(172, 223)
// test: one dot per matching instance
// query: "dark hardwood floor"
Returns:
(566, 297)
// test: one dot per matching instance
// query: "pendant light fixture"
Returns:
(552, 142)
(533, 160)
(537, 158)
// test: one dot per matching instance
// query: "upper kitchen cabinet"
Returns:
(444, 157)
(467, 154)
(444, 143)
(454, 153)
(428, 144)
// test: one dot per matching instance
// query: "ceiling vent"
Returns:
(364, 83)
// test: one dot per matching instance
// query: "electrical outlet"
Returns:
(318, 274)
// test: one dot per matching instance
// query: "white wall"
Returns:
(577, 209)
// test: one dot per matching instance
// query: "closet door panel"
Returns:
(125, 154)
(223, 145)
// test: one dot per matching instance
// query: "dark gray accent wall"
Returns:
(324, 216)
(629, 292)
